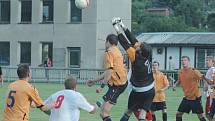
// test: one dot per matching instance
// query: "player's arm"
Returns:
(83, 104)
(128, 48)
(35, 98)
(132, 39)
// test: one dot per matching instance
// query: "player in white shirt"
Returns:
(208, 89)
(68, 103)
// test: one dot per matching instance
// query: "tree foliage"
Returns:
(185, 15)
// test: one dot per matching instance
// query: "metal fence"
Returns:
(58, 75)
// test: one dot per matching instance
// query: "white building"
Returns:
(174, 45)
(32, 30)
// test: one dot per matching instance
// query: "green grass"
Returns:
(173, 100)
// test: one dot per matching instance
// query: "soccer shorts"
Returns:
(187, 105)
(113, 93)
(156, 106)
(141, 100)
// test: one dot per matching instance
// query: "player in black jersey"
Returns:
(142, 80)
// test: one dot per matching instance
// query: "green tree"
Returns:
(211, 22)
(191, 11)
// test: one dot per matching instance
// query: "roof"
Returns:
(178, 38)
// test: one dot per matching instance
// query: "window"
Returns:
(47, 51)
(201, 57)
(48, 11)
(5, 11)
(25, 51)
(74, 57)
(4, 53)
(26, 11)
(76, 13)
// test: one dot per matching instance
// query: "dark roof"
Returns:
(178, 38)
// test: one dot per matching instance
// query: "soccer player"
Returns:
(115, 76)
(208, 89)
(69, 102)
(21, 95)
(161, 84)
(189, 80)
(142, 80)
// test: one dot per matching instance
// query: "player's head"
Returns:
(210, 61)
(70, 83)
(111, 40)
(23, 71)
(155, 66)
(144, 50)
(185, 60)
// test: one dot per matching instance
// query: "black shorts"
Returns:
(141, 100)
(187, 105)
(113, 93)
(212, 109)
(156, 106)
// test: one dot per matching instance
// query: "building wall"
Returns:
(89, 35)
(106, 10)
(175, 53)
(160, 57)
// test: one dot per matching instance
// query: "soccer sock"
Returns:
(107, 118)
(153, 117)
(141, 119)
(125, 117)
(164, 116)
(202, 119)
(178, 118)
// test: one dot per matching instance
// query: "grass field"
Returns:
(173, 100)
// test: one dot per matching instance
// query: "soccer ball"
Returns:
(82, 4)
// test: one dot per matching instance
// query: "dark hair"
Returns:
(70, 83)
(112, 39)
(23, 71)
(146, 50)
(156, 62)
(186, 57)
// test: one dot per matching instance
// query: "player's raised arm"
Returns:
(124, 43)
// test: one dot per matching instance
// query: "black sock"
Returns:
(202, 119)
(178, 118)
(164, 116)
(153, 117)
(125, 117)
(107, 118)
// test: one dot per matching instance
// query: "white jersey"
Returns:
(68, 104)
(209, 75)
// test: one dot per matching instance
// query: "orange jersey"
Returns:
(20, 96)
(161, 82)
(189, 81)
(114, 61)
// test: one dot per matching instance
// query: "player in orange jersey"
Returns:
(189, 80)
(21, 95)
